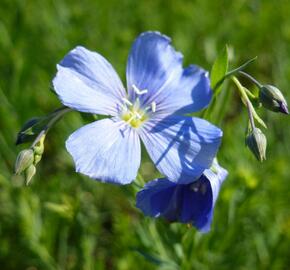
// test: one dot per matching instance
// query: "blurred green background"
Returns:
(66, 221)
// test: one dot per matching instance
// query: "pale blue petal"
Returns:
(181, 147)
(190, 93)
(86, 81)
(154, 65)
(106, 150)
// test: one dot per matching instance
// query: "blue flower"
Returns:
(159, 92)
(189, 203)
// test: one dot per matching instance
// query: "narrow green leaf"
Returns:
(242, 67)
(149, 257)
(219, 70)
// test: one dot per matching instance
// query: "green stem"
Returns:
(250, 78)
(240, 68)
(209, 110)
(250, 94)
(241, 89)
(38, 138)
(251, 111)
(59, 113)
(233, 72)
(250, 115)
(55, 116)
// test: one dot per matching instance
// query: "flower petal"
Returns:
(153, 64)
(86, 81)
(191, 203)
(155, 197)
(216, 175)
(174, 202)
(191, 93)
(106, 150)
(214, 179)
(181, 147)
(197, 204)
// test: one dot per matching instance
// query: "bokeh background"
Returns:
(66, 221)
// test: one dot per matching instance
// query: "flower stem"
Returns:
(54, 117)
(250, 94)
(59, 113)
(246, 100)
(250, 115)
(250, 78)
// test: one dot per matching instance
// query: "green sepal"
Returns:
(29, 173)
(24, 159)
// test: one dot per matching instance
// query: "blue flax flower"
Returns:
(190, 203)
(159, 92)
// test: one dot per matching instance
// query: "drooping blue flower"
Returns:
(186, 203)
(159, 92)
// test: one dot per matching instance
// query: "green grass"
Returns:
(66, 221)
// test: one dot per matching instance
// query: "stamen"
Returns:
(132, 117)
(138, 115)
(128, 102)
(138, 91)
(124, 107)
(153, 106)
(132, 112)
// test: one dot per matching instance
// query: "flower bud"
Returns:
(29, 173)
(24, 160)
(37, 158)
(257, 143)
(39, 147)
(272, 99)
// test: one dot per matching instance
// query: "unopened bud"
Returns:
(24, 160)
(37, 158)
(257, 143)
(29, 173)
(272, 99)
(39, 147)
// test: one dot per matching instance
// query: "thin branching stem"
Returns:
(246, 100)
(250, 78)
(55, 116)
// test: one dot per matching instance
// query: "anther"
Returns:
(138, 91)
(153, 106)
(127, 101)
